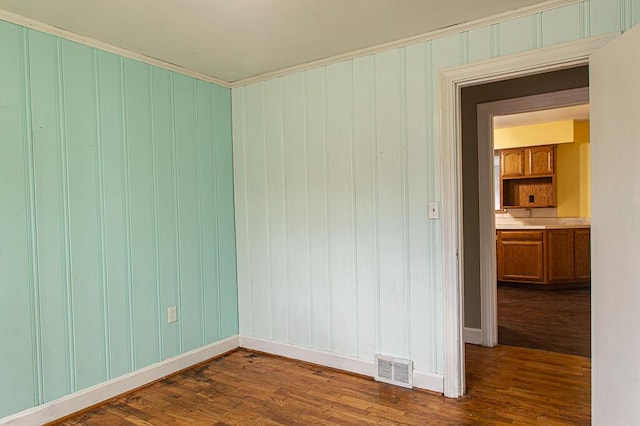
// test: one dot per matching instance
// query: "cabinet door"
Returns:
(521, 256)
(582, 243)
(560, 255)
(540, 160)
(512, 162)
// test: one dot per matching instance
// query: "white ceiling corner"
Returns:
(233, 40)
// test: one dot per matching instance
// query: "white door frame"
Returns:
(486, 196)
(451, 81)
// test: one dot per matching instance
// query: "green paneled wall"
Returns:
(116, 202)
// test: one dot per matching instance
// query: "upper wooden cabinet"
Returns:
(539, 161)
(527, 177)
(512, 162)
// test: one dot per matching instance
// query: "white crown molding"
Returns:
(88, 41)
(454, 29)
(99, 393)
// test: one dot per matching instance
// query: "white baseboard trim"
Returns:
(473, 335)
(427, 381)
(104, 391)
(340, 362)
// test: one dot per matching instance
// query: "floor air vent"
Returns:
(394, 371)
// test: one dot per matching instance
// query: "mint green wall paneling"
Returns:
(517, 35)
(365, 204)
(316, 101)
(90, 207)
(142, 215)
(189, 312)
(340, 193)
(111, 89)
(296, 209)
(81, 152)
(480, 43)
(635, 12)
(274, 140)
(604, 16)
(209, 235)
(391, 162)
(258, 217)
(51, 255)
(18, 387)
(225, 211)
(418, 125)
(165, 199)
(563, 24)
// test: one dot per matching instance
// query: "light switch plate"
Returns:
(434, 210)
(172, 314)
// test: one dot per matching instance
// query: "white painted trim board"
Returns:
(422, 380)
(102, 392)
(451, 81)
(99, 393)
(473, 336)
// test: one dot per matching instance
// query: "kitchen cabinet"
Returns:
(520, 256)
(546, 256)
(527, 177)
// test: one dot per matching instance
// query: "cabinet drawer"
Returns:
(522, 235)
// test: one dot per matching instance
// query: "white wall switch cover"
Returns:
(172, 314)
(434, 210)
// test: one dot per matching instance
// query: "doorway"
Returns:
(549, 311)
(452, 81)
(488, 100)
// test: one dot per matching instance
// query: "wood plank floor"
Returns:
(506, 386)
(556, 320)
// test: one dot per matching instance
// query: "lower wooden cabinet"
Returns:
(545, 256)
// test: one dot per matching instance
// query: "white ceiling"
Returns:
(577, 112)
(235, 39)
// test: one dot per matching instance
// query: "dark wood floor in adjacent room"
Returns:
(506, 386)
(557, 320)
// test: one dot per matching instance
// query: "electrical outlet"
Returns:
(172, 314)
(434, 210)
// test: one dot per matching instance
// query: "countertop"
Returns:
(504, 222)
(517, 226)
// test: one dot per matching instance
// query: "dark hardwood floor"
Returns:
(506, 386)
(557, 320)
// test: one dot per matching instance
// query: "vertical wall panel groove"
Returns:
(376, 209)
(327, 208)
(176, 215)
(214, 161)
(156, 219)
(127, 215)
(65, 194)
(101, 218)
(30, 200)
(199, 216)
(405, 188)
(269, 258)
(306, 193)
(354, 214)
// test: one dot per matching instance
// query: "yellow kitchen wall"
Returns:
(572, 159)
(533, 135)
